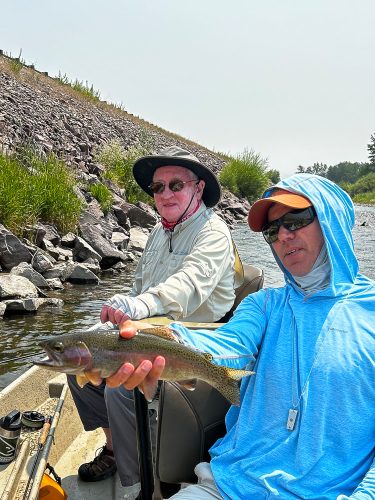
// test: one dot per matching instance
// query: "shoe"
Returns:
(103, 466)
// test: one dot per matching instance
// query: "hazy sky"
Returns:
(292, 80)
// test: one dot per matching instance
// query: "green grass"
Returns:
(245, 175)
(15, 63)
(103, 195)
(119, 166)
(84, 89)
(35, 188)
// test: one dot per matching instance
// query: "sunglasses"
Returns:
(291, 221)
(175, 185)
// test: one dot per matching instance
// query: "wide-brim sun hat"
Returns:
(144, 169)
(257, 218)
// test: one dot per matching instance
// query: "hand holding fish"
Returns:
(120, 307)
(140, 358)
(147, 374)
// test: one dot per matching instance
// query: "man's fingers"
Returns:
(121, 376)
(129, 328)
(157, 367)
(115, 316)
(146, 375)
(139, 375)
(119, 316)
(104, 314)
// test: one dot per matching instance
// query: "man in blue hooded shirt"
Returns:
(306, 426)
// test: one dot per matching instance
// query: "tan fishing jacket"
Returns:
(195, 280)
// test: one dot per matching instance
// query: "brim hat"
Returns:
(257, 218)
(144, 169)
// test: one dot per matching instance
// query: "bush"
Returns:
(363, 185)
(365, 198)
(119, 168)
(245, 175)
(103, 195)
(36, 188)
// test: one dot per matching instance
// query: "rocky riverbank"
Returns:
(38, 110)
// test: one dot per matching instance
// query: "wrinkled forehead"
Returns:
(170, 172)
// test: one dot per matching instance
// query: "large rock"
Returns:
(83, 251)
(120, 240)
(42, 261)
(91, 217)
(79, 273)
(16, 287)
(137, 216)
(55, 284)
(58, 271)
(51, 234)
(107, 251)
(22, 306)
(68, 240)
(138, 240)
(24, 269)
(12, 250)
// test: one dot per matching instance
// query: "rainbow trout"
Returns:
(94, 355)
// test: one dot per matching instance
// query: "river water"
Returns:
(19, 335)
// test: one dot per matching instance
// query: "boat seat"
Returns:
(253, 279)
(189, 422)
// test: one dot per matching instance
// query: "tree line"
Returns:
(358, 179)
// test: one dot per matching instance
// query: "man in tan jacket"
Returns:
(186, 272)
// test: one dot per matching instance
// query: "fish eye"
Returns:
(58, 347)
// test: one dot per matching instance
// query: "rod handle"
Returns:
(45, 431)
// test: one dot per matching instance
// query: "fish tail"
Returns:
(227, 384)
(230, 390)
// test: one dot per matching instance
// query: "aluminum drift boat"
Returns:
(67, 444)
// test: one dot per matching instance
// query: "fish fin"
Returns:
(82, 380)
(236, 356)
(227, 384)
(94, 377)
(150, 392)
(159, 331)
(237, 374)
(190, 385)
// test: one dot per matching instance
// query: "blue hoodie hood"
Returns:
(335, 211)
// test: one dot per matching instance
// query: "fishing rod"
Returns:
(25, 356)
(43, 464)
(42, 440)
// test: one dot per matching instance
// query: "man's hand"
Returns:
(120, 307)
(146, 375)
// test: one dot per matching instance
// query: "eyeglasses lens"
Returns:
(291, 221)
(175, 186)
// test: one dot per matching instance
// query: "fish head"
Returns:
(68, 357)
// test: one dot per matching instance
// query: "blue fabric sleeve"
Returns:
(240, 337)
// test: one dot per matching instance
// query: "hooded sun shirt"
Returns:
(319, 276)
(314, 353)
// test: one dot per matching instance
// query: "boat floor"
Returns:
(69, 445)
(82, 450)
